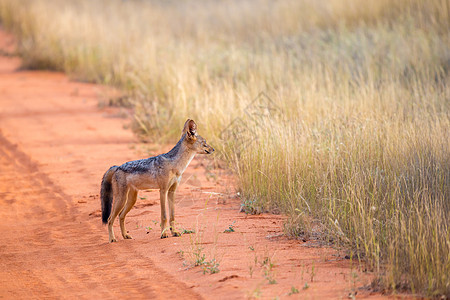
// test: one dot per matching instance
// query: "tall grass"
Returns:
(359, 140)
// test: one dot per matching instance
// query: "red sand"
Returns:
(56, 143)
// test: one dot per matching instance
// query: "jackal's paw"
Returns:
(127, 237)
(176, 233)
(164, 235)
(113, 240)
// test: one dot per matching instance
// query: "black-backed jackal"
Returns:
(162, 172)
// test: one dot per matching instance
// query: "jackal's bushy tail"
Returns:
(106, 194)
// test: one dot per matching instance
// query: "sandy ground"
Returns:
(55, 144)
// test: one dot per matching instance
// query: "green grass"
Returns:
(359, 140)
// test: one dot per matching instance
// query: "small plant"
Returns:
(250, 206)
(270, 279)
(251, 269)
(293, 291)
(255, 294)
(252, 266)
(303, 272)
(230, 228)
(187, 231)
(199, 257)
(196, 256)
(306, 286)
(268, 265)
(353, 281)
(211, 267)
(313, 273)
(269, 275)
(267, 261)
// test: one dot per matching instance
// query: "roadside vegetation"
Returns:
(352, 131)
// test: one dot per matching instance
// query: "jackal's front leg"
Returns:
(171, 196)
(164, 227)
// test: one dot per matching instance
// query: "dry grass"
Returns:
(360, 136)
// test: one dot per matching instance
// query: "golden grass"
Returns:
(360, 136)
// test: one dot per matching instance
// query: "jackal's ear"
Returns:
(185, 127)
(190, 128)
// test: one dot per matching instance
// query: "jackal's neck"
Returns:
(180, 155)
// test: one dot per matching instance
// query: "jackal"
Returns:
(162, 172)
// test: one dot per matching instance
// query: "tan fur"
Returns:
(162, 172)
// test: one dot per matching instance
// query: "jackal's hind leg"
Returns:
(120, 197)
(131, 200)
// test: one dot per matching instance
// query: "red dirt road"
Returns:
(56, 143)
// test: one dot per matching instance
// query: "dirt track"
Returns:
(55, 144)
